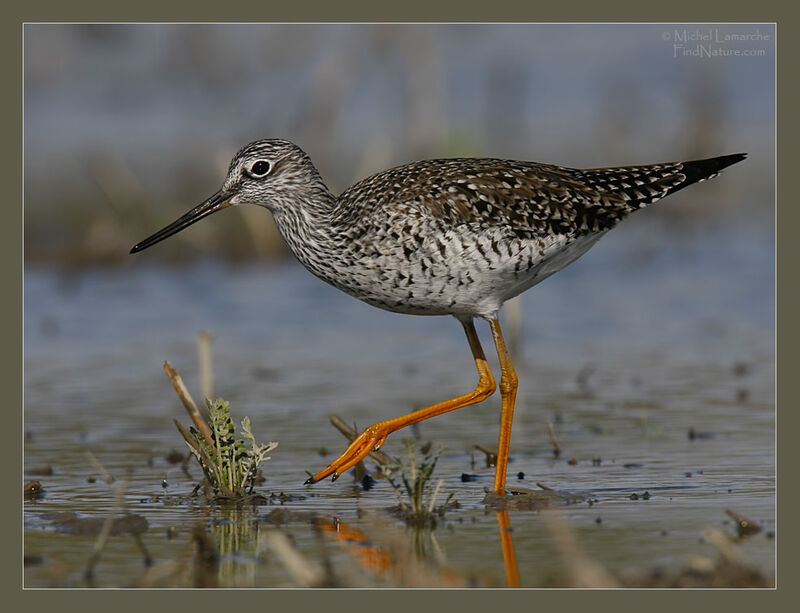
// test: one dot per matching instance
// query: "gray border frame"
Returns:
(786, 219)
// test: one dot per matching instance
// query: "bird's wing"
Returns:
(522, 199)
(526, 199)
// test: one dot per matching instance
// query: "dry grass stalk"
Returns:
(304, 572)
(582, 571)
(553, 440)
(102, 538)
(188, 403)
(491, 455)
(205, 365)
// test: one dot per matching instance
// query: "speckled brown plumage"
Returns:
(450, 236)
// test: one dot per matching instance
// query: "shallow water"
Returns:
(648, 336)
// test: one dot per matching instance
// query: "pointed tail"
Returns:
(701, 170)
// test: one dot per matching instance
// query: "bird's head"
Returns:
(272, 173)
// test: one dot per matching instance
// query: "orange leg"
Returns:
(371, 557)
(373, 437)
(507, 546)
(508, 394)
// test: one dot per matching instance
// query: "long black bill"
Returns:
(217, 202)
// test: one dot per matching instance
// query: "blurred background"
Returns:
(127, 126)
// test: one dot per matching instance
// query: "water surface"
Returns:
(648, 336)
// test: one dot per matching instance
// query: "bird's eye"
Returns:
(260, 168)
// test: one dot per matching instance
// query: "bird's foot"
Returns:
(371, 439)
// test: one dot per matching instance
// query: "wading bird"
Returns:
(441, 237)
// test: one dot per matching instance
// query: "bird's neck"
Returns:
(304, 224)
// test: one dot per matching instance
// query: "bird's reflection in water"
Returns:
(507, 546)
(409, 564)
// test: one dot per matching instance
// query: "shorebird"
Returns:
(441, 237)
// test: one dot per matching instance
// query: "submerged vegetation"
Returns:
(414, 479)
(230, 464)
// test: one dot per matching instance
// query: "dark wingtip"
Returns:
(710, 166)
(724, 161)
(699, 170)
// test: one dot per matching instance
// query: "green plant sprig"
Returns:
(230, 464)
